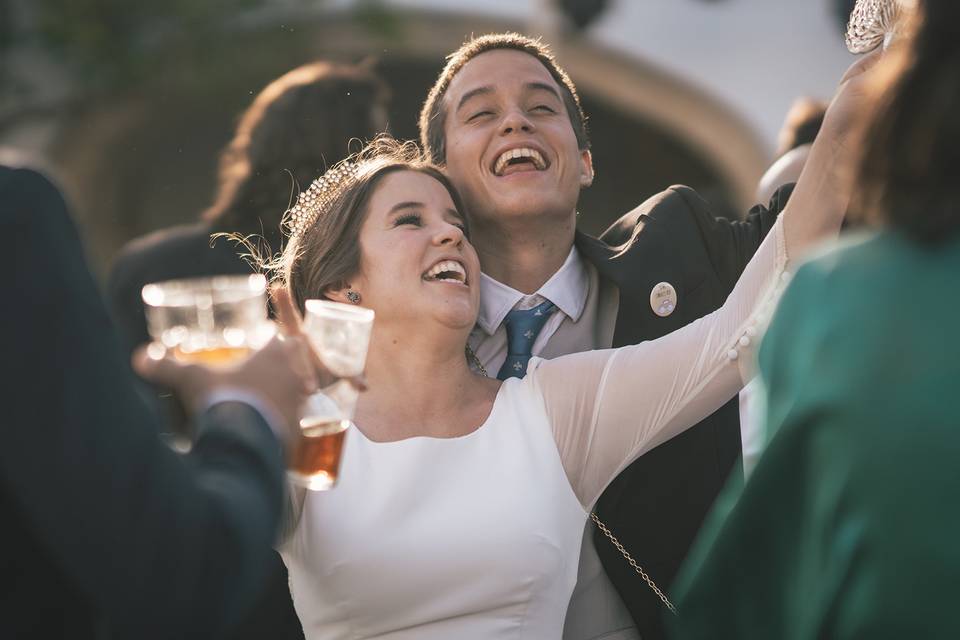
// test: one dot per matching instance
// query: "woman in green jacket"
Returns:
(850, 525)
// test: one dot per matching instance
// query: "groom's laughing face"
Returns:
(511, 149)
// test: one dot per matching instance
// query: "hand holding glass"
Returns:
(340, 336)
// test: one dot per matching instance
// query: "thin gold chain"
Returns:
(472, 357)
(633, 563)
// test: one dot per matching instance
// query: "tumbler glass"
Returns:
(340, 336)
(214, 321)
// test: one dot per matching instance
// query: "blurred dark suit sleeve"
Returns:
(150, 543)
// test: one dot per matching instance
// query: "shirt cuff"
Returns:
(254, 400)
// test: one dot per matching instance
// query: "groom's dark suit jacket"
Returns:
(104, 531)
(656, 506)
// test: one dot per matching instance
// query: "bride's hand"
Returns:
(290, 323)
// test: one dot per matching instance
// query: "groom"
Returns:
(506, 123)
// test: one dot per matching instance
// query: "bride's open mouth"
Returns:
(447, 271)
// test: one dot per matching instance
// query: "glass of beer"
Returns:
(214, 321)
(340, 336)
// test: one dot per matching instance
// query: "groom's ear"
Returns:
(586, 168)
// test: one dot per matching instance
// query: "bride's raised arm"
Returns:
(609, 407)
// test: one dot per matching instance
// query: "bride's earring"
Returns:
(353, 296)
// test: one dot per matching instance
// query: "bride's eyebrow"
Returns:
(400, 206)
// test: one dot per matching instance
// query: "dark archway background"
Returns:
(146, 158)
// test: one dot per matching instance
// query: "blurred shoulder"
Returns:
(818, 295)
(183, 251)
(875, 262)
(24, 182)
(165, 241)
(830, 273)
(176, 252)
(30, 199)
(25, 179)
(858, 291)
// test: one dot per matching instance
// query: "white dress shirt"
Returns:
(567, 289)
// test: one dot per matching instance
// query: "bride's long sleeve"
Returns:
(608, 407)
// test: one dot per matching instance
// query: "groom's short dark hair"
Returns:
(433, 114)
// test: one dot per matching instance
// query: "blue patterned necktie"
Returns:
(523, 327)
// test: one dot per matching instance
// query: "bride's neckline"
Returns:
(459, 438)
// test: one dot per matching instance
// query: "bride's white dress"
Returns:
(479, 536)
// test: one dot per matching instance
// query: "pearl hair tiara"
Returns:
(316, 200)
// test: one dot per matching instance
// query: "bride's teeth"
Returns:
(447, 266)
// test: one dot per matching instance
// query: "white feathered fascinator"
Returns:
(873, 23)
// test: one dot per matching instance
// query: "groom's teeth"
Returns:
(523, 152)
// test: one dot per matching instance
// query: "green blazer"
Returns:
(850, 525)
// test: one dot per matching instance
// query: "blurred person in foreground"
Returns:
(848, 528)
(300, 124)
(106, 532)
(296, 127)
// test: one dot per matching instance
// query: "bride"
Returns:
(461, 502)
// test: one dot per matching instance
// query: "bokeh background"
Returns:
(128, 102)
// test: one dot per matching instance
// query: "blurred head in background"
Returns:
(799, 130)
(298, 126)
(801, 125)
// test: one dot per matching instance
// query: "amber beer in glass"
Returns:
(214, 321)
(315, 463)
(212, 356)
(340, 335)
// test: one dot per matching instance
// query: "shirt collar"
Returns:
(567, 288)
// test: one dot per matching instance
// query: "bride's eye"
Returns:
(409, 218)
